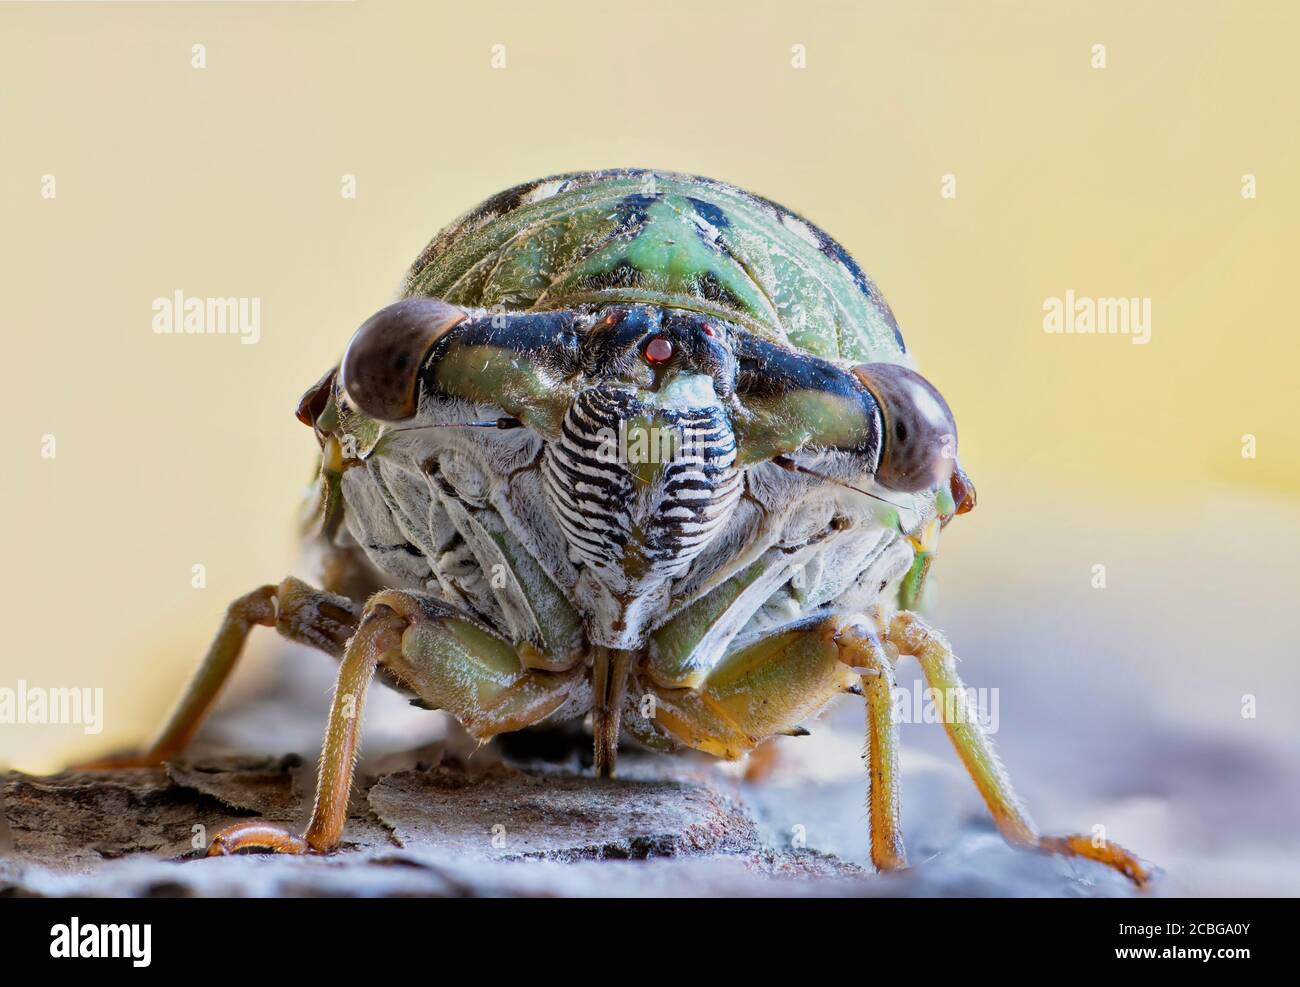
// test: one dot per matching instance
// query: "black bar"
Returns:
(383, 938)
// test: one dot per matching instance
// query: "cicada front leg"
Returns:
(298, 611)
(911, 636)
(452, 663)
(379, 633)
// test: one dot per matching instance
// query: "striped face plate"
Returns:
(638, 490)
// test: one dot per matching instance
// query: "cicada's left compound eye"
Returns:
(919, 441)
(381, 369)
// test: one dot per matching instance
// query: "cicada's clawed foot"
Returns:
(1112, 855)
(257, 836)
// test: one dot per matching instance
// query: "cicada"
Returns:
(637, 446)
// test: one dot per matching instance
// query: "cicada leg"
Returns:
(379, 633)
(762, 762)
(298, 611)
(861, 648)
(768, 687)
(763, 689)
(452, 663)
(912, 636)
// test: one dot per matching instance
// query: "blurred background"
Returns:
(1163, 165)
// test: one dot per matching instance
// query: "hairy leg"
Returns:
(380, 632)
(861, 648)
(913, 637)
(768, 687)
(450, 662)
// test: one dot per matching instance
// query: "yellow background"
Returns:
(225, 181)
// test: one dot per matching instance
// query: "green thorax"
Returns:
(627, 236)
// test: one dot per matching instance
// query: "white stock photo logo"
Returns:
(1080, 315)
(636, 444)
(39, 706)
(920, 704)
(181, 315)
(104, 941)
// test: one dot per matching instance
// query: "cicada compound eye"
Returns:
(381, 368)
(919, 444)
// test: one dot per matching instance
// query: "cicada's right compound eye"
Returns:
(919, 441)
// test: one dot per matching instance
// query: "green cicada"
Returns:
(636, 445)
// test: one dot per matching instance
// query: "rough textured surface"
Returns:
(506, 814)
(446, 829)
(430, 829)
(433, 814)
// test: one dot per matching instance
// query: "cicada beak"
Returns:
(925, 539)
